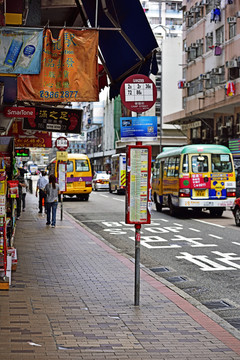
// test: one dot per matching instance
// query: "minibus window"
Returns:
(69, 166)
(81, 165)
(177, 167)
(221, 163)
(199, 163)
(185, 164)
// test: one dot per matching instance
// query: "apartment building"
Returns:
(210, 82)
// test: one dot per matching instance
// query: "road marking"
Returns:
(118, 199)
(208, 223)
(83, 221)
(178, 224)
(103, 195)
(236, 243)
(215, 236)
(195, 230)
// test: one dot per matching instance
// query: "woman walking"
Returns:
(52, 191)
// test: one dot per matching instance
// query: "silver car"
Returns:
(100, 181)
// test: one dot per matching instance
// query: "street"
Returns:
(197, 253)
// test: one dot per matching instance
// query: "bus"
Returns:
(79, 175)
(194, 176)
(117, 181)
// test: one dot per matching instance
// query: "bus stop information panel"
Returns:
(138, 184)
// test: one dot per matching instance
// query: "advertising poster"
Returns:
(21, 50)
(29, 138)
(138, 128)
(62, 176)
(55, 120)
(69, 69)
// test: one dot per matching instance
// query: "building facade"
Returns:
(210, 82)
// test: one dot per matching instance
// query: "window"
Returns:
(232, 30)
(185, 164)
(221, 163)
(199, 163)
(69, 166)
(81, 165)
(220, 36)
(177, 167)
(171, 166)
(209, 41)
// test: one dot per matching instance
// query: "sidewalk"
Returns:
(72, 298)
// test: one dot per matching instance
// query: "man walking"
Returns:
(42, 182)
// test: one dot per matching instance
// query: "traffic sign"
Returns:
(138, 93)
(62, 143)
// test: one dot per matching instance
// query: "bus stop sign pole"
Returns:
(137, 264)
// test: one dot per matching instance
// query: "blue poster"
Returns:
(138, 128)
(21, 50)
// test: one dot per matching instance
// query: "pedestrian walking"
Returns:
(52, 191)
(41, 184)
(19, 176)
(24, 193)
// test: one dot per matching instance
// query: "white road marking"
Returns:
(215, 236)
(178, 224)
(208, 223)
(235, 243)
(195, 230)
(103, 195)
(118, 199)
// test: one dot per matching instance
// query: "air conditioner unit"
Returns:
(204, 134)
(231, 64)
(204, 77)
(209, 35)
(217, 71)
(216, 138)
(238, 14)
(187, 14)
(231, 20)
(199, 41)
(238, 128)
(187, 48)
(223, 130)
(187, 85)
(205, 2)
(194, 46)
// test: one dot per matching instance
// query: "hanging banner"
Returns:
(55, 120)
(29, 138)
(69, 70)
(21, 50)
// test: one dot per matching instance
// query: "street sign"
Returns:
(138, 93)
(62, 155)
(62, 143)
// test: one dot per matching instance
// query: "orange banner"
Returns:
(69, 70)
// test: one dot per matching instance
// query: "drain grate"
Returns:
(175, 279)
(218, 304)
(160, 269)
(234, 322)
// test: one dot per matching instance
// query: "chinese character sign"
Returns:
(21, 50)
(69, 69)
(55, 119)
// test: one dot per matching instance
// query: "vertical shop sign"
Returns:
(69, 69)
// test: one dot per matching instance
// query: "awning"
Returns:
(128, 49)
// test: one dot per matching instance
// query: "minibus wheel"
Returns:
(172, 208)
(237, 216)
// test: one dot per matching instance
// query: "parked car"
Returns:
(100, 181)
(236, 211)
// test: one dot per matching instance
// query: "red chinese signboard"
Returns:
(138, 93)
(24, 138)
